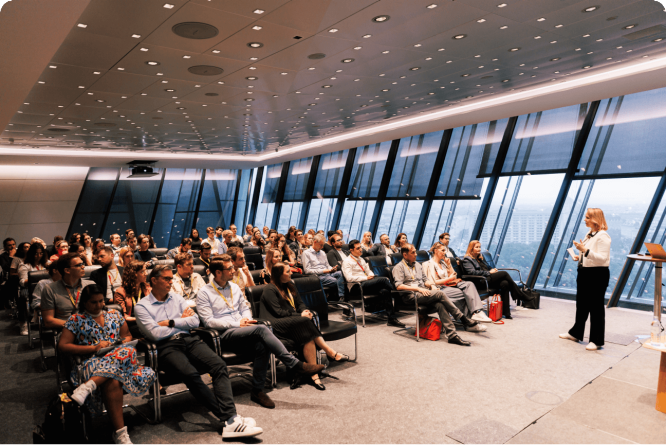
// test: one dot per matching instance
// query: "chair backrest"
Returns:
(35, 277)
(196, 254)
(256, 277)
(252, 249)
(377, 264)
(253, 295)
(345, 247)
(489, 259)
(201, 270)
(422, 256)
(165, 262)
(89, 270)
(160, 252)
(312, 293)
(396, 257)
(251, 266)
(256, 259)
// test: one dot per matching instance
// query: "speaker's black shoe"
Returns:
(456, 340)
(392, 321)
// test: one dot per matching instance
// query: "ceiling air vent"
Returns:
(205, 70)
(647, 32)
(195, 30)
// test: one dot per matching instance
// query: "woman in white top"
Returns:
(592, 281)
(34, 260)
(439, 271)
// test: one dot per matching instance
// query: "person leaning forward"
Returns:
(165, 318)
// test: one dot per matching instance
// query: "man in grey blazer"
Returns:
(383, 248)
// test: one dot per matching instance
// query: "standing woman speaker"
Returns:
(593, 276)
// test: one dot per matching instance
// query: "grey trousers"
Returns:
(465, 297)
(442, 304)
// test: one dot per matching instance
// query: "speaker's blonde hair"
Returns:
(598, 218)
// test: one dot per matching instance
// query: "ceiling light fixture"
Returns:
(541, 19)
(170, 90)
(503, 27)
(513, 50)
(587, 66)
(152, 63)
(356, 48)
(367, 36)
(385, 52)
(558, 26)
(255, 44)
(480, 20)
(347, 60)
(591, 8)
(658, 40)
(136, 36)
(82, 25)
(381, 18)
(501, 5)
(432, 6)
(326, 86)
(415, 68)
(251, 78)
(554, 59)
(168, 6)
(257, 28)
(216, 51)
(258, 11)
(459, 36)
(333, 30)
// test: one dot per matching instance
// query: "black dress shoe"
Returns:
(467, 322)
(508, 317)
(392, 321)
(456, 340)
(320, 386)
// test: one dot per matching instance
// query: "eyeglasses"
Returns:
(77, 265)
(228, 268)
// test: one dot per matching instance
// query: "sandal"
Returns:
(316, 382)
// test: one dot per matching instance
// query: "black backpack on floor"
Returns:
(64, 423)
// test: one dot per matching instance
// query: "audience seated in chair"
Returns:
(315, 262)
(54, 276)
(125, 256)
(214, 242)
(109, 277)
(107, 375)
(196, 240)
(222, 306)
(409, 276)
(439, 271)
(204, 257)
(186, 282)
(336, 255)
(185, 247)
(356, 270)
(366, 243)
(134, 287)
(144, 254)
(292, 321)
(241, 276)
(60, 299)
(247, 238)
(166, 319)
(61, 248)
(383, 248)
(234, 234)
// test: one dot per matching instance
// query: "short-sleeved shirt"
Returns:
(409, 275)
(58, 297)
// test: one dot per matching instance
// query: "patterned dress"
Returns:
(119, 364)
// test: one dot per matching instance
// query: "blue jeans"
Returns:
(261, 338)
(329, 279)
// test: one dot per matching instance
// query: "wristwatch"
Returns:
(172, 323)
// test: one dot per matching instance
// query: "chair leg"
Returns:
(363, 310)
(355, 347)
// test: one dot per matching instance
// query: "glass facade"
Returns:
(606, 154)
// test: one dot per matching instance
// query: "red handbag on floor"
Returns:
(495, 308)
(431, 329)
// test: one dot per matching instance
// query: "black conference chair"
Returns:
(160, 252)
(422, 256)
(313, 296)
(164, 262)
(254, 255)
(257, 278)
(44, 334)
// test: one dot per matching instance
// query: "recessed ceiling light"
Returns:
(505, 80)
(97, 72)
(480, 20)
(591, 8)
(541, 19)
(367, 36)
(385, 52)
(459, 36)
(587, 66)
(501, 5)
(658, 40)
(513, 50)
(82, 25)
(415, 68)
(333, 30)
(42, 82)
(216, 51)
(251, 78)
(599, 40)
(357, 47)
(253, 68)
(284, 74)
(136, 36)
(386, 89)
(381, 18)
(503, 27)
(168, 6)
(465, 75)
(255, 44)
(553, 41)
(558, 26)
(630, 26)
(100, 100)
(121, 69)
(441, 49)
(586, 35)
(347, 60)
(152, 63)
(257, 27)
(537, 37)
(327, 86)
(554, 59)
(170, 90)
(432, 6)
(258, 11)
(418, 45)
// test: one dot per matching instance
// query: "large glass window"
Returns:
(217, 199)
(369, 165)
(297, 179)
(175, 211)
(267, 195)
(399, 217)
(244, 197)
(517, 219)
(624, 202)
(321, 214)
(356, 218)
(413, 165)
(94, 201)
(133, 204)
(633, 124)
(329, 174)
(290, 215)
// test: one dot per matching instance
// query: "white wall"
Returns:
(38, 200)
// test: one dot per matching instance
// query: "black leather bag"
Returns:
(531, 298)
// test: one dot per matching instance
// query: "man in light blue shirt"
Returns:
(165, 318)
(315, 262)
(223, 307)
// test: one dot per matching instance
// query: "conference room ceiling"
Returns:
(257, 75)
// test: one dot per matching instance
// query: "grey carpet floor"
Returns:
(517, 383)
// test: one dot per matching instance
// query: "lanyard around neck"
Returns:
(412, 271)
(220, 293)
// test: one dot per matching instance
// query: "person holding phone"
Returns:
(315, 262)
(593, 277)
(221, 306)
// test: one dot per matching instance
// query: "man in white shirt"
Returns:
(214, 243)
(247, 239)
(315, 262)
(356, 270)
(109, 276)
(234, 234)
(186, 282)
(242, 276)
(222, 306)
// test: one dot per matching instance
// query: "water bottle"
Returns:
(656, 330)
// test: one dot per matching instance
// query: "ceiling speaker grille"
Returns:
(195, 30)
(205, 70)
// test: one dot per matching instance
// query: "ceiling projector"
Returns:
(142, 169)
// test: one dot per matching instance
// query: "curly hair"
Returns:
(129, 277)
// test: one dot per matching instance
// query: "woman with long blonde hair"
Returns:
(593, 277)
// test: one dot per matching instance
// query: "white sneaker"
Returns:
(566, 336)
(591, 347)
(24, 328)
(477, 328)
(82, 392)
(481, 317)
(242, 427)
(121, 436)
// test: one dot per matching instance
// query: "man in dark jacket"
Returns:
(336, 255)
(383, 248)
(109, 277)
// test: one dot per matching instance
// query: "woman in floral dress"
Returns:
(105, 377)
